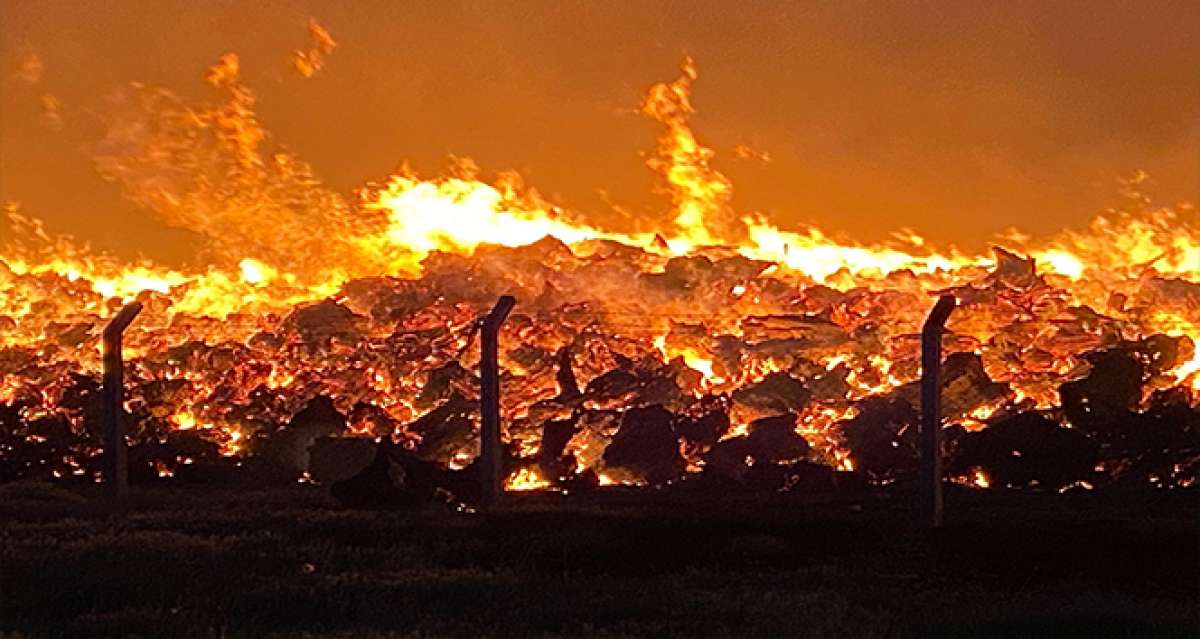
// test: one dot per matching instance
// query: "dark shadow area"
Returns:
(207, 562)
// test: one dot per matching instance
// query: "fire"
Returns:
(231, 446)
(699, 193)
(1189, 372)
(692, 358)
(979, 479)
(372, 300)
(1061, 262)
(458, 214)
(185, 421)
(256, 273)
(525, 479)
(820, 258)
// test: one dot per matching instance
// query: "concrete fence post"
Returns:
(490, 465)
(116, 461)
(929, 480)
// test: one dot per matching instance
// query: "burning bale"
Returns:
(882, 437)
(448, 432)
(965, 386)
(777, 394)
(705, 430)
(1160, 444)
(646, 445)
(763, 457)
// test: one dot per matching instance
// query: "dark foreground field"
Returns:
(205, 562)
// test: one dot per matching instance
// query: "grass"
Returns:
(204, 562)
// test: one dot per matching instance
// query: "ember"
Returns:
(717, 346)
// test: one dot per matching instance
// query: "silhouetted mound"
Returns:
(882, 437)
(776, 394)
(646, 444)
(770, 457)
(705, 430)
(447, 429)
(335, 459)
(397, 479)
(383, 484)
(1027, 450)
(288, 448)
(1159, 444)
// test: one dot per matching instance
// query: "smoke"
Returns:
(29, 69)
(211, 168)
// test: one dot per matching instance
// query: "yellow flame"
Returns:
(526, 478)
(1061, 262)
(980, 479)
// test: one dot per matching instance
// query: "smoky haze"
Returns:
(956, 119)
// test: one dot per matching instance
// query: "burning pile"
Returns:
(715, 348)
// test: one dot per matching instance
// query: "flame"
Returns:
(818, 257)
(457, 214)
(979, 479)
(308, 62)
(692, 358)
(618, 477)
(1189, 371)
(185, 421)
(526, 479)
(1061, 262)
(699, 193)
(256, 273)
(282, 245)
(976, 478)
(232, 444)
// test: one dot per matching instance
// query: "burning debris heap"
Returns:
(717, 349)
(707, 368)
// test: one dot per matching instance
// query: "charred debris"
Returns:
(382, 391)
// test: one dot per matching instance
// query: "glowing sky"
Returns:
(955, 118)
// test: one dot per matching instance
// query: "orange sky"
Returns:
(957, 119)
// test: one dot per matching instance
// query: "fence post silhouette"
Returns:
(489, 400)
(116, 461)
(929, 480)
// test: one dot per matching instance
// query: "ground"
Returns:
(207, 562)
